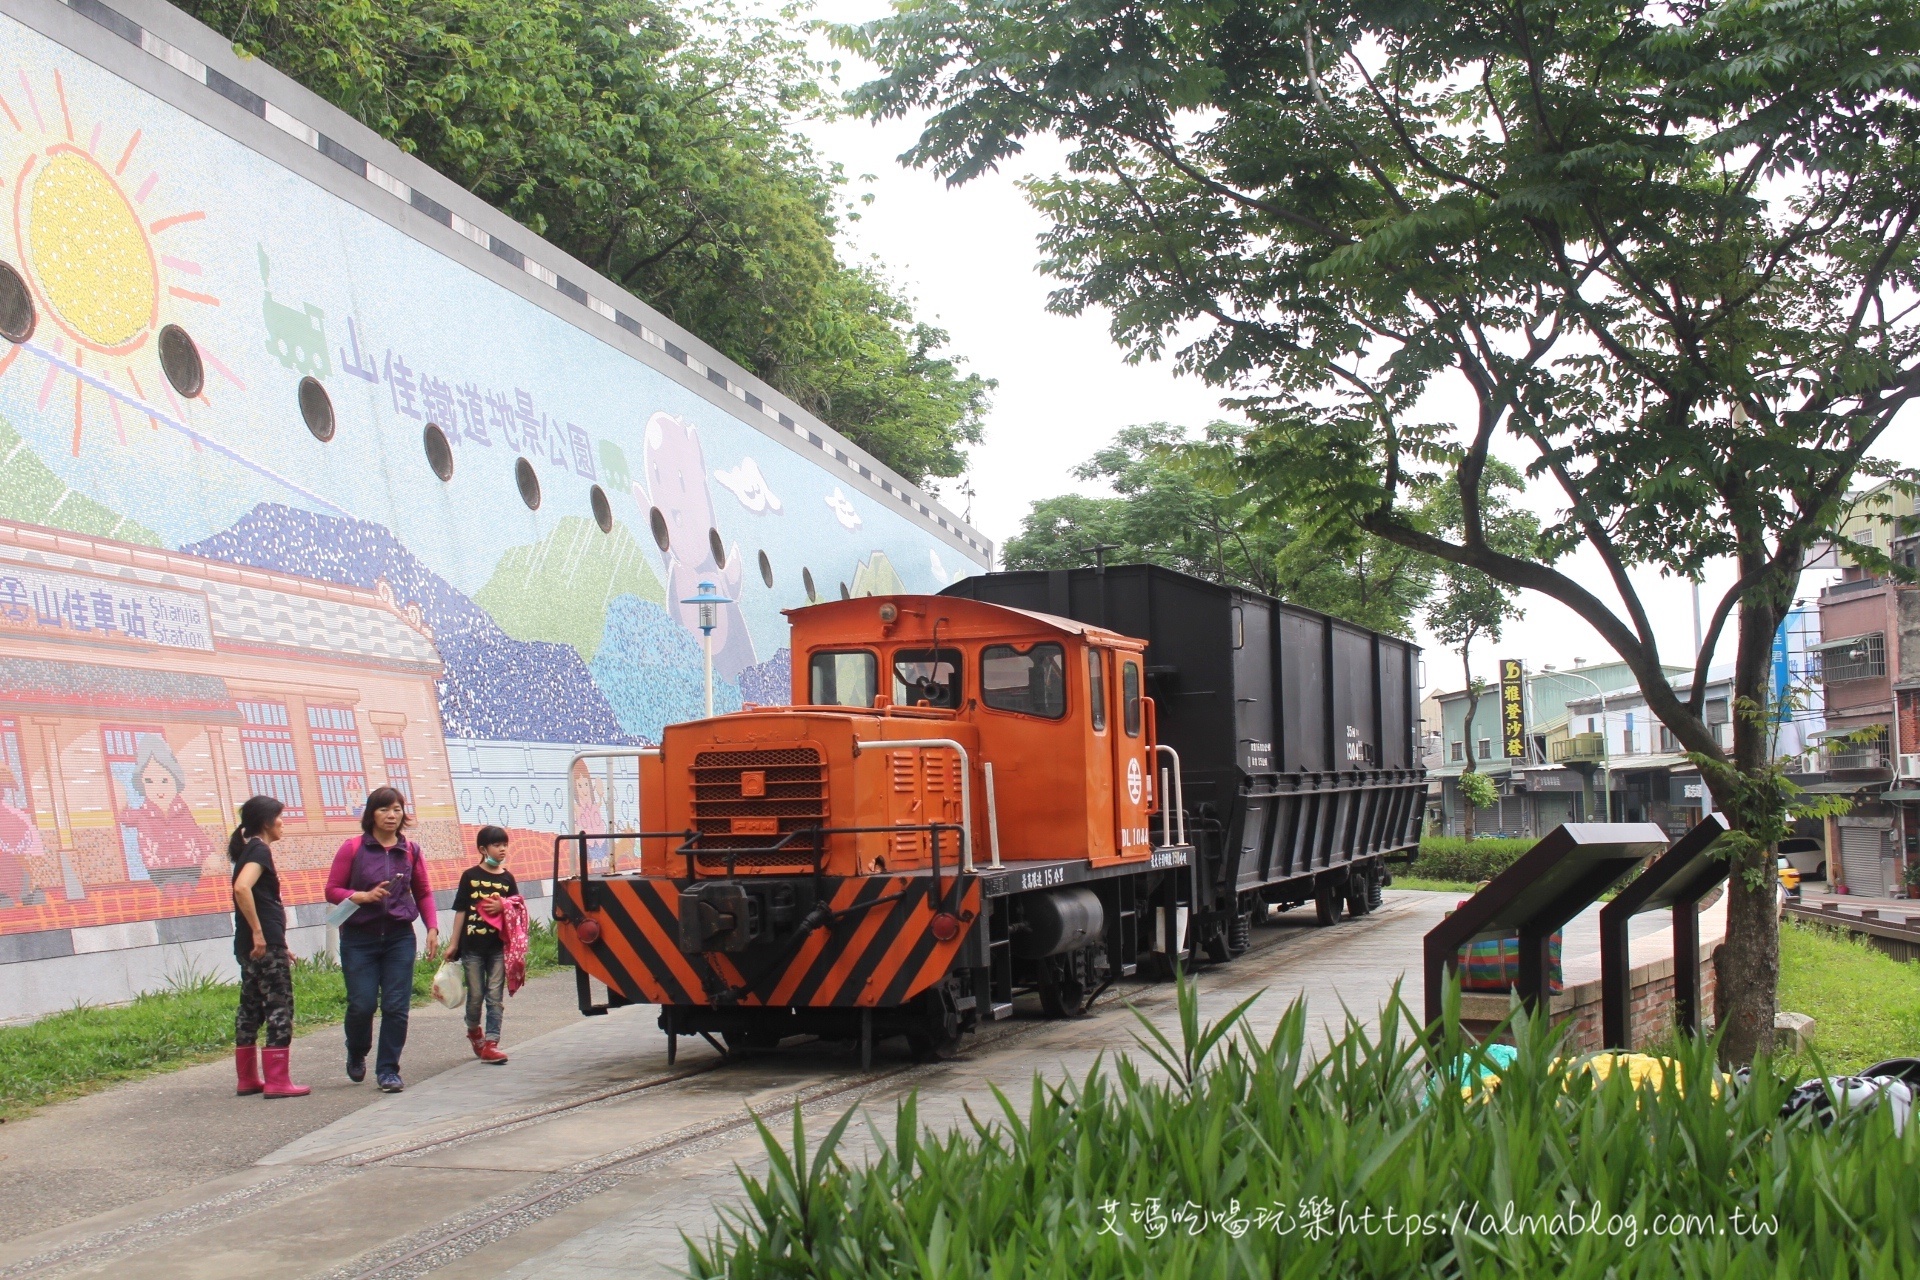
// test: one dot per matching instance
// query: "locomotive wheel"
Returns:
(1326, 903)
(936, 1037)
(1065, 991)
(1066, 998)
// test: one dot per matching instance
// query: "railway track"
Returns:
(543, 1196)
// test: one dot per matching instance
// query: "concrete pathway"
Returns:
(589, 1165)
(168, 1132)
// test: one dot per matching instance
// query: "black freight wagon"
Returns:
(1297, 736)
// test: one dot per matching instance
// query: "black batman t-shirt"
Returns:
(477, 882)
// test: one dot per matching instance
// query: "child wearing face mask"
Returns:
(478, 918)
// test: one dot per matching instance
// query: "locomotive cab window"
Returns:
(846, 678)
(1031, 681)
(1130, 696)
(927, 675)
(1097, 689)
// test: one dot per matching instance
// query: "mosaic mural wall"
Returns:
(291, 503)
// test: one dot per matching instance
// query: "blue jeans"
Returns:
(486, 981)
(377, 964)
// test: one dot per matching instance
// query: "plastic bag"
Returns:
(450, 984)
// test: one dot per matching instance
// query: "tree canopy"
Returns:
(1662, 253)
(1180, 503)
(652, 142)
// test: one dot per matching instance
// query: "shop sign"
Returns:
(1513, 709)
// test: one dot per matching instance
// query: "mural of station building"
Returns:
(317, 474)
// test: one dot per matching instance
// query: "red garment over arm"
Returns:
(423, 892)
(337, 888)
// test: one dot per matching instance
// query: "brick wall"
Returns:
(1579, 1008)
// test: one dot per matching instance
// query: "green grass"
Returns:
(1433, 886)
(1864, 1003)
(82, 1050)
(1258, 1157)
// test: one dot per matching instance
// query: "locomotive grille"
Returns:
(747, 800)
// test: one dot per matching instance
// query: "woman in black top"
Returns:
(260, 944)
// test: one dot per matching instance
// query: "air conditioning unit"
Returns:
(1910, 766)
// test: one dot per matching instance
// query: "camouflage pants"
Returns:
(266, 997)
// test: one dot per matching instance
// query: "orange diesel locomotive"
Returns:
(966, 801)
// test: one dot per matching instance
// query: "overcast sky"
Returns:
(967, 256)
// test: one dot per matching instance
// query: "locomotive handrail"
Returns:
(1179, 796)
(966, 783)
(583, 836)
(608, 753)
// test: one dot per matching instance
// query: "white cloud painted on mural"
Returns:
(842, 508)
(940, 574)
(747, 484)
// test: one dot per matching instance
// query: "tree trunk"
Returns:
(1466, 731)
(1748, 976)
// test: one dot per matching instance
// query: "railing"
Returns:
(1581, 748)
(966, 784)
(1857, 756)
(1865, 659)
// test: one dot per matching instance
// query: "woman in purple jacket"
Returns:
(385, 873)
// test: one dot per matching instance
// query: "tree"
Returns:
(656, 148)
(1181, 503)
(1469, 605)
(1663, 253)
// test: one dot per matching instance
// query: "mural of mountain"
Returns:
(494, 686)
(651, 669)
(558, 588)
(31, 493)
(769, 683)
(876, 576)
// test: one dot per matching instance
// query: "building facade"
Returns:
(317, 472)
(1870, 675)
(1536, 792)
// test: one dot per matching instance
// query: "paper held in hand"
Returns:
(343, 912)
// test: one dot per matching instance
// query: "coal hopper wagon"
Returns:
(1296, 734)
(1032, 785)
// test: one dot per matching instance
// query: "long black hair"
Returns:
(256, 815)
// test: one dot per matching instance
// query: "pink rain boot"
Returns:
(246, 1062)
(273, 1062)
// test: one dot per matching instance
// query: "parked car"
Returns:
(1807, 854)
(1789, 885)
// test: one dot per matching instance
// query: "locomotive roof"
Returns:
(861, 604)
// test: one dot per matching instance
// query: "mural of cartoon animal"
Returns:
(682, 508)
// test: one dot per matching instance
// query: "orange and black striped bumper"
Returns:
(871, 957)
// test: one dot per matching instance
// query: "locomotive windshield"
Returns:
(927, 675)
(849, 678)
(1032, 681)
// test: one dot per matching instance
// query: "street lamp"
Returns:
(709, 601)
(1606, 747)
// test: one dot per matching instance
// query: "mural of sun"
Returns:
(86, 250)
(90, 255)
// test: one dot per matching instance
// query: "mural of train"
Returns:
(316, 473)
(1037, 782)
